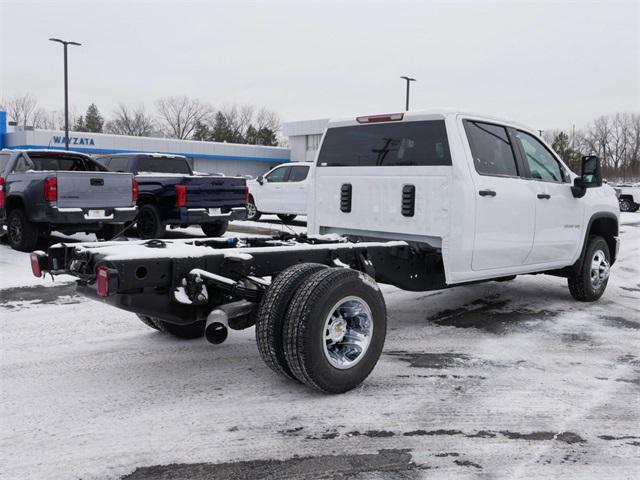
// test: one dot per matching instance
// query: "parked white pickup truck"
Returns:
(422, 201)
(283, 190)
(628, 197)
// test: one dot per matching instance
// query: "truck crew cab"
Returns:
(419, 200)
(171, 194)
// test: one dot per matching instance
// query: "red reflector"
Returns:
(2, 192)
(35, 264)
(181, 198)
(51, 189)
(389, 117)
(102, 281)
(246, 194)
(134, 190)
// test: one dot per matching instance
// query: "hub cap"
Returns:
(251, 210)
(599, 269)
(15, 230)
(347, 332)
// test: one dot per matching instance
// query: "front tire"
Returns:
(625, 205)
(271, 315)
(335, 329)
(252, 211)
(21, 233)
(149, 224)
(286, 218)
(214, 229)
(590, 282)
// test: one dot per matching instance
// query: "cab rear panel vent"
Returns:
(408, 200)
(345, 197)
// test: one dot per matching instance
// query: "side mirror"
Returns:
(260, 179)
(591, 176)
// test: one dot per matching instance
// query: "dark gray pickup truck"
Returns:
(45, 190)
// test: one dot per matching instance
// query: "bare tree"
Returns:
(24, 110)
(266, 118)
(127, 121)
(180, 115)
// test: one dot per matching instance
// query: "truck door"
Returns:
(558, 214)
(505, 202)
(269, 194)
(294, 191)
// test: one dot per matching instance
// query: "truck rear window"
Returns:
(385, 145)
(163, 165)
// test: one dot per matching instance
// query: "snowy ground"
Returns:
(500, 380)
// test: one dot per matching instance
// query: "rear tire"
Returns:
(149, 224)
(252, 211)
(335, 329)
(21, 233)
(590, 282)
(214, 229)
(625, 205)
(271, 314)
(186, 332)
(286, 218)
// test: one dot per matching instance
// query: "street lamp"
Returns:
(66, 90)
(409, 80)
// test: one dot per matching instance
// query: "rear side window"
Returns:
(298, 174)
(162, 165)
(118, 164)
(4, 159)
(386, 145)
(542, 165)
(491, 149)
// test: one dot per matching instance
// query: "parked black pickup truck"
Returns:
(45, 190)
(171, 194)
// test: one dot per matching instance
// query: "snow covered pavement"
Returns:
(499, 380)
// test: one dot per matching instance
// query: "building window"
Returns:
(313, 141)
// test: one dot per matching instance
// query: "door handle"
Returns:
(487, 193)
(545, 196)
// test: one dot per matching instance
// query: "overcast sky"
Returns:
(546, 64)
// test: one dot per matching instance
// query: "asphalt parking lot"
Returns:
(499, 380)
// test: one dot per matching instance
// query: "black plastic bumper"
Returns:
(192, 216)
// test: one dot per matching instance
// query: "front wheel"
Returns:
(335, 329)
(286, 218)
(590, 282)
(252, 211)
(214, 229)
(625, 205)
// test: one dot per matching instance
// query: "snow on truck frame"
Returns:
(422, 201)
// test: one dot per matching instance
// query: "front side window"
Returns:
(277, 175)
(491, 149)
(542, 165)
(298, 174)
(421, 143)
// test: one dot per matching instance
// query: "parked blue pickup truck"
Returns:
(171, 194)
(45, 190)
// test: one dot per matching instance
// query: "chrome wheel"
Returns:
(347, 332)
(599, 269)
(251, 210)
(15, 230)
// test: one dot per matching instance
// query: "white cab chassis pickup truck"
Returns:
(422, 201)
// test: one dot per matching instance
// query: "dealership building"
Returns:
(211, 157)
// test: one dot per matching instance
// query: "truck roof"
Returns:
(431, 114)
(45, 150)
(144, 154)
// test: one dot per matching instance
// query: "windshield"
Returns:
(164, 165)
(389, 144)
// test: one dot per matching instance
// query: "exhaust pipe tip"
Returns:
(216, 329)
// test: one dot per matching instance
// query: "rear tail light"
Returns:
(51, 189)
(181, 195)
(37, 259)
(246, 194)
(134, 190)
(389, 117)
(102, 281)
(2, 192)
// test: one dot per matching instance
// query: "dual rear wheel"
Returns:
(324, 327)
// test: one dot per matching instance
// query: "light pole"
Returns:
(409, 80)
(66, 90)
